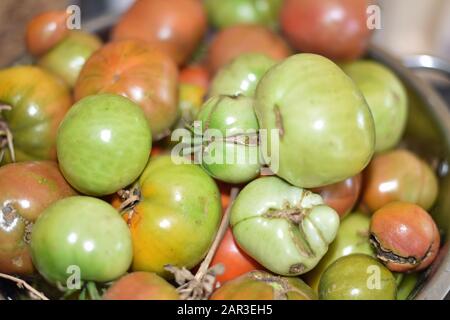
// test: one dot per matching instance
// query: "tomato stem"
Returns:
(6, 137)
(23, 284)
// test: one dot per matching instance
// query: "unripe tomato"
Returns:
(176, 218)
(104, 143)
(234, 41)
(241, 75)
(81, 232)
(404, 236)
(141, 286)
(284, 228)
(260, 285)
(336, 29)
(357, 277)
(224, 14)
(399, 175)
(386, 97)
(235, 261)
(341, 196)
(66, 59)
(134, 70)
(46, 30)
(26, 189)
(325, 131)
(38, 102)
(176, 27)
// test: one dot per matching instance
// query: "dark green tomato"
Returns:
(286, 229)
(68, 57)
(227, 13)
(407, 285)
(230, 139)
(386, 97)
(357, 277)
(241, 75)
(352, 237)
(84, 232)
(322, 122)
(103, 144)
(38, 102)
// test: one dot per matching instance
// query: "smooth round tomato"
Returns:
(38, 102)
(235, 261)
(66, 59)
(134, 70)
(141, 286)
(81, 232)
(341, 196)
(324, 129)
(103, 143)
(234, 41)
(260, 285)
(176, 218)
(26, 189)
(176, 27)
(336, 29)
(45, 30)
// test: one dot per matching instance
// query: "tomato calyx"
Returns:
(130, 198)
(6, 137)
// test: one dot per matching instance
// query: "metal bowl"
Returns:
(427, 134)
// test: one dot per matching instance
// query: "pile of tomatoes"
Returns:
(95, 204)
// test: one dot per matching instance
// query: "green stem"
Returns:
(93, 291)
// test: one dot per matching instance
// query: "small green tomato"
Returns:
(286, 229)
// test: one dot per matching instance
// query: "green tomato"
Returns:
(103, 144)
(226, 13)
(233, 155)
(81, 232)
(241, 75)
(325, 131)
(352, 237)
(407, 285)
(285, 228)
(357, 277)
(387, 99)
(68, 57)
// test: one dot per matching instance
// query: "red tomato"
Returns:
(195, 75)
(235, 261)
(336, 29)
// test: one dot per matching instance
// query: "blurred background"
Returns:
(409, 27)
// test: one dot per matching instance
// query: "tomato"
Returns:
(190, 103)
(176, 27)
(224, 14)
(336, 29)
(195, 75)
(176, 218)
(235, 261)
(141, 286)
(83, 232)
(260, 285)
(44, 31)
(399, 175)
(103, 143)
(67, 57)
(134, 70)
(234, 41)
(286, 229)
(26, 189)
(38, 102)
(341, 196)
(325, 129)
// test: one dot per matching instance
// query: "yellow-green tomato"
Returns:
(286, 229)
(230, 138)
(324, 131)
(81, 237)
(68, 57)
(176, 218)
(357, 277)
(241, 75)
(352, 237)
(103, 144)
(387, 99)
